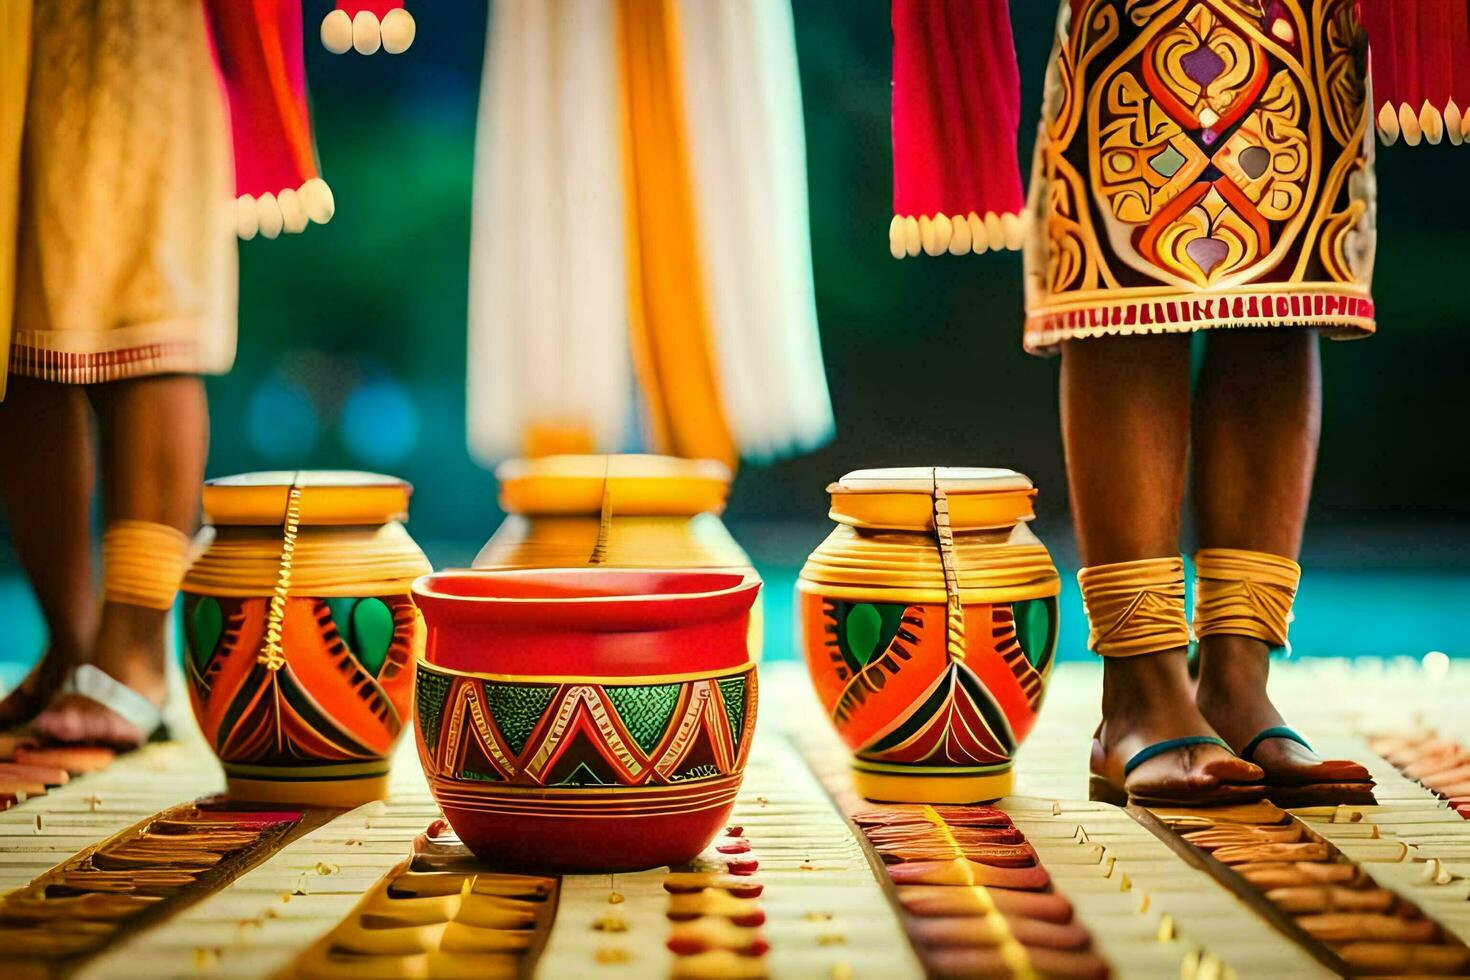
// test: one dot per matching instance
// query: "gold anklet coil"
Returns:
(143, 563)
(1245, 593)
(1135, 607)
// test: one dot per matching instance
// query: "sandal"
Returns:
(1102, 789)
(1321, 785)
(94, 684)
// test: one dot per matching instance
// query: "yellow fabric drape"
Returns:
(1135, 607)
(143, 563)
(15, 71)
(1245, 593)
(671, 336)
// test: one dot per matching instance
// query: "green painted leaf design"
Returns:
(342, 616)
(1036, 629)
(372, 633)
(864, 629)
(206, 625)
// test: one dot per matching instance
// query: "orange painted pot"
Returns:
(929, 621)
(302, 635)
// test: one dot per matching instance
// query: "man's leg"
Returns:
(46, 480)
(1258, 415)
(1125, 422)
(155, 436)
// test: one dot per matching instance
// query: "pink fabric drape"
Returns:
(1420, 52)
(956, 108)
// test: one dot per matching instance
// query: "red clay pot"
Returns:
(585, 720)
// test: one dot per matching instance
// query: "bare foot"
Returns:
(1147, 700)
(130, 649)
(1232, 696)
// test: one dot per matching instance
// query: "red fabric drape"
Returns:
(1420, 51)
(258, 47)
(258, 50)
(956, 108)
(378, 7)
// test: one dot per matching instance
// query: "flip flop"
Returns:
(94, 684)
(1101, 789)
(1315, 786)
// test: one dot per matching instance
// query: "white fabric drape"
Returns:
(548, 330)
(548, 337)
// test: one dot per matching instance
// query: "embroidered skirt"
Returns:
(1202, 164)
(126, 240)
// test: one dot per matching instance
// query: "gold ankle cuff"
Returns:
(1135, 607)
(1245, 593)
(143, 563)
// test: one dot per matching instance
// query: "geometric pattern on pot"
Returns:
(341, 696)
(894, 693)
(583, 734)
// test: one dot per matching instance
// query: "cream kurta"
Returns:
(126, 241)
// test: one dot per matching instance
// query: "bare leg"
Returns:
(1125, 422)
(1258, 415)
(155, 437)
(45, 439)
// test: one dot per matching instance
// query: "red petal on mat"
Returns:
(72, 758)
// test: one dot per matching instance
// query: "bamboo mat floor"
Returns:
(828, 911)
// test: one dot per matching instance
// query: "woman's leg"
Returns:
(155, 437)
(1258, 415)
(1125, 422)
(46, 480)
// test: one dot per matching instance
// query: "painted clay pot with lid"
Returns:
(586, 720)
(302, 633)
(929, 620)
(616, 511)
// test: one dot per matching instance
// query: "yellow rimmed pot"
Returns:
(617, 511)
(302, 632)
(929, 621)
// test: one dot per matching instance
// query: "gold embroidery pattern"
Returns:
(1202, 163)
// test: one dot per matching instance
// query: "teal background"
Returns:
(352, 342)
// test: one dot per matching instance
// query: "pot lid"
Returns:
(634, 485)
(902, 498)
(328, 497)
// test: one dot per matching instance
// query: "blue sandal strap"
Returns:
(1169, 745)
(1276, 731)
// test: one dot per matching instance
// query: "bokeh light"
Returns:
(280, 421)
(380, 422)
